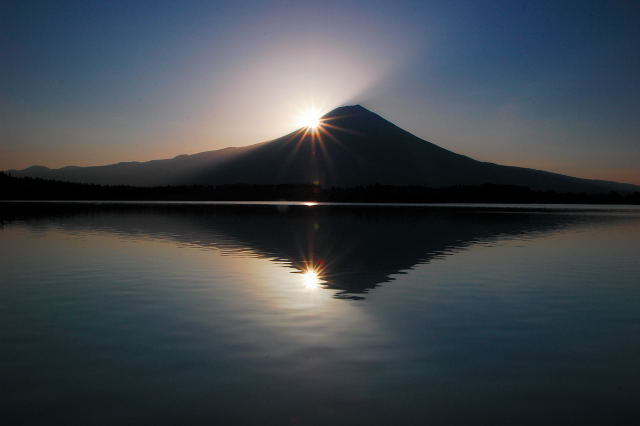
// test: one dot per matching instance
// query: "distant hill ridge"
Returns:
(354, 147)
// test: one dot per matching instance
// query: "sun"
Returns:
(310, 118)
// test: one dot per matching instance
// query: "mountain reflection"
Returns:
(349, 249)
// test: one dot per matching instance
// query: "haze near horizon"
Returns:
(541, 85)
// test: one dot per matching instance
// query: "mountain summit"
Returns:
(353, 146)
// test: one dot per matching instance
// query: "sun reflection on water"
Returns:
(311, 277)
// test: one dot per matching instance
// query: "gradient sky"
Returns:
(543, 84)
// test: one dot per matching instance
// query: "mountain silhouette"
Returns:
(352, 147)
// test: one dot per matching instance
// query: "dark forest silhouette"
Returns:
(12, 188)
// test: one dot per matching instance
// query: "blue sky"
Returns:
(551, 85)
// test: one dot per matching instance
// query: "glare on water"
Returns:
(341, 313)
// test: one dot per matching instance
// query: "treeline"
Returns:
(14, 188)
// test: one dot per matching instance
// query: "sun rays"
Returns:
(317, 131)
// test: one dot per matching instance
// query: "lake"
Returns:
(312, 314)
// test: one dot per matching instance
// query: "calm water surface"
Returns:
(187, 314)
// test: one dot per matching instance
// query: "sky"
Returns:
(552, 85)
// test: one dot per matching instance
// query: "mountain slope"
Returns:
(179, 170)
(358, 147)
(353, 147)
